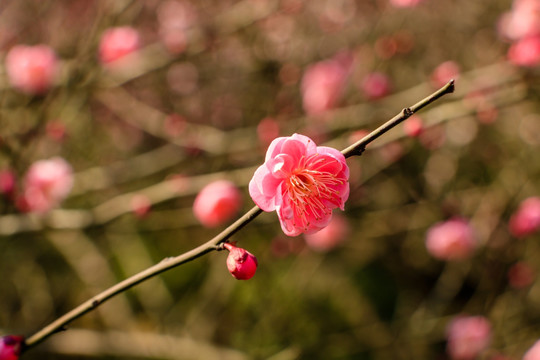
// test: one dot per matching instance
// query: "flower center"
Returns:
(311, 191)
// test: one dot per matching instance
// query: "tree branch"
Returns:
(213, 244)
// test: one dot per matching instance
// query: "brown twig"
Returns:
(213, 244)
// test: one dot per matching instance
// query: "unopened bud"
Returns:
(10, 347)
(241, 263)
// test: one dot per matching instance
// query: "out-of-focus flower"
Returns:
(140, 205)
(267, 130)
(10, 347)
(46, 184)
(241, 263)
(323, 83)
(118, 42)
(32, 69)
(303, 182)
(175, 18)
(413, 126)
(331, 236)
(525, 52)
(7, 182)
(376, 85)
(451, 240)
(526, 220)
(533, 353)
(444, 72)
(521, 275)
(467, 337)
(405, 3)
(217, 203)
(523, 21)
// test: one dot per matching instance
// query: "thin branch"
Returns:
(360, 146)
(213, 244)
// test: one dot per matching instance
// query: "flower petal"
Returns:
(263, 187)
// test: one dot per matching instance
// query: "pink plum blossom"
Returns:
(521, 275)
(267, 130)
(10, 347)
(140, 205)
(444, 72)
(376, 85)
(467, 337)
(303, 182)
(46, 184)
(331, 236)
(241, 263)
(533, 353)
(7, 182)
(526, 220)
(118, 42)
(413, 126)
(324, 82)
(525, 52)
(451, 240)
(405, 3)
(217, 203)
(523, 21)
(31, 69)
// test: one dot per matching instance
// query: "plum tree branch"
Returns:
(213, 244)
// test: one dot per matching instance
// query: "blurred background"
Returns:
(141, 104)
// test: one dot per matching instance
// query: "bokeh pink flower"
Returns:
(217, 203)
(533, 353)
(323, 83)
(376, 85)
(32, 69)
(46, 184)
(336, 232)
(444, 72)
(526, 220)
(453, 239)
(241, 263)
(10, 347)
(525, 52)
(117, 43)
(405, 3)
(303, 182)
(413, 126)
(467, 337)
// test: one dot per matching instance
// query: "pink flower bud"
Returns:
(31, 69)
(526, 220)
(521, 275)
(324, 82)
(533, 353)
(525, 52)
(217, 203)
(445, 72)
(467, 337)
(240, 262)
(451, 240)
(376, 85)
(413, 126)
(7, 182)
(405, 3)
(329, 237)
(46, 184)
(118, 42)
(140, 205)
(10, 347)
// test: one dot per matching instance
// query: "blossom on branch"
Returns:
(10, 347)
(32, 69)
(241, 263)
(46, 184)
(303, 182)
